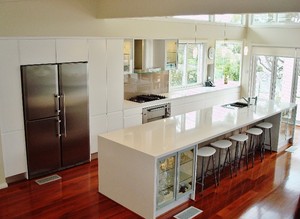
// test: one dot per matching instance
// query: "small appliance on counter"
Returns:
(209, 83)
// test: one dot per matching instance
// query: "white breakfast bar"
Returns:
(151, 168)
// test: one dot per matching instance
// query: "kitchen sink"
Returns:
(236, 104)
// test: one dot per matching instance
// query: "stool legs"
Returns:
(204, 173)
(263, 141)
(253, 144)
(244, 150)
(228, 155)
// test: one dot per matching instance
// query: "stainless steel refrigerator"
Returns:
(55, 103)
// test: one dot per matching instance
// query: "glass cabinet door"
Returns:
(166, 180)
(185, 172)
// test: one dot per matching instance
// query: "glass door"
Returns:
(283, 77)
(186, 172)
(166, 180)
(264, 66)
(277, 78)
(297, 87)
(274, 78)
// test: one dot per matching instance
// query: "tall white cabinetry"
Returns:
(115, 83)
(11, 113)
(14, 53)
(105, 86)
(105, 58)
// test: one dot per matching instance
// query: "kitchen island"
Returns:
(151, 168)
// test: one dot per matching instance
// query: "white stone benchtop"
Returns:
(169, 135)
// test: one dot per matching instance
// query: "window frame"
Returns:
(201, 63)
(219, 82)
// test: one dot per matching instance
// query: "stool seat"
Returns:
(222, 144)
(254, 131)
(206, 151)
(265, 125)
(239, 137)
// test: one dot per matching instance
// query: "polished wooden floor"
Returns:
(270, 190)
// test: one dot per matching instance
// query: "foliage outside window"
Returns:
(190, 66)
(275, 18)
(228, 58)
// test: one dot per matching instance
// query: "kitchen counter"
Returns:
(128, 158)
(172, 95)
(168, 135)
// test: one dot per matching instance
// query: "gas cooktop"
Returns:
(146, 98)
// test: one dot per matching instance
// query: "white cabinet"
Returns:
(11, 110)
(115, 76)
(71, 50)
(98, 125)
(14, 153)
(132, 117)
(36, 51)
(11, 113)
(97, 77)
(114, 121)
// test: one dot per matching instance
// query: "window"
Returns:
(218, 18)
(276, 18)
(229, 18)
(227, 62)
(274, 77)
(190, 66)
(193, 17)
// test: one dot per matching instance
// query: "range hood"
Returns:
(149, 55)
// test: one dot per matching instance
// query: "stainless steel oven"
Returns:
(156, 112)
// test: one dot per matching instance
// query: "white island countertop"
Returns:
(169, 135)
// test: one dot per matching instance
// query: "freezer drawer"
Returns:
(43, 146)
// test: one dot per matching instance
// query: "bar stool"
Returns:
(241, 141)
(206, 152)
(221, 145)
(254, 134)
(266, 126)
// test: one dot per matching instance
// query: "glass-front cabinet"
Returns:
(186, 172)
(166, 180)
(171, 54)
(176, 176)
(128, 56)
(287, 125)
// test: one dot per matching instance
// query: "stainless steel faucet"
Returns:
(255, 98)
(248, 100)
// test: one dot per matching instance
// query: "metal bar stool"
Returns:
(241, 143)
(221, 145)
(206, 152)
(266, 126)
(254, 134)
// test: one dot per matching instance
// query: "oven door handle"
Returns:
(156, 109)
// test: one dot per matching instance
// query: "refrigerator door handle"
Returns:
(65, 120)
(57, 97)
(58, 127)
